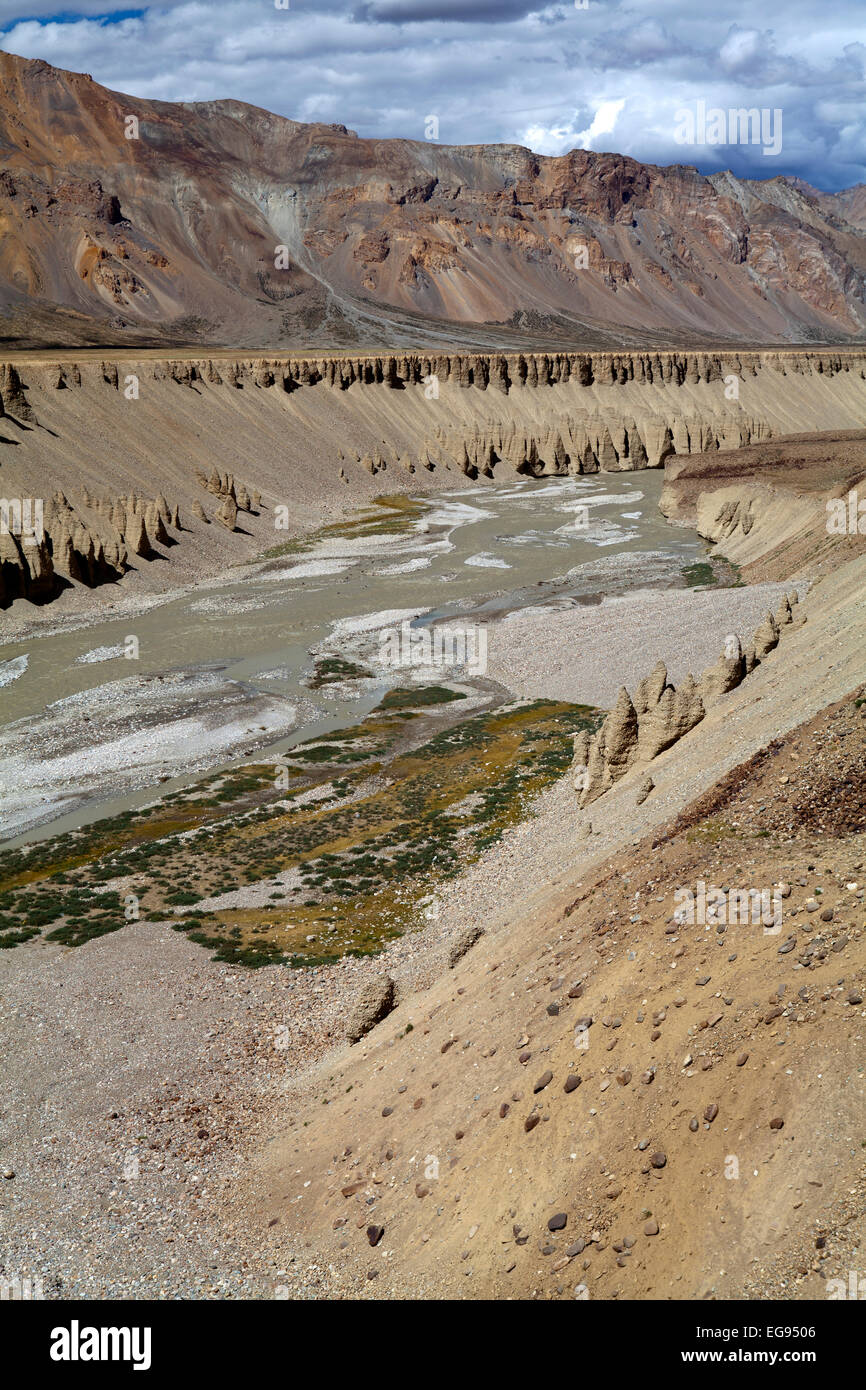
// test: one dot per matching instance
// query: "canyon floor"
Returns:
(577, 1094)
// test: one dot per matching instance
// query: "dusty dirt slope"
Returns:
(779, 508)
(712, 1144)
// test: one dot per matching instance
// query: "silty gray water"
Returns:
(477, 551)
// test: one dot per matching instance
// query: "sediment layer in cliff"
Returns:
(307, 436)
(777, 508)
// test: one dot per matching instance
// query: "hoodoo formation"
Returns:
(80, 425)
(637, 730)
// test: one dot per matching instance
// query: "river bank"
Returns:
(296, 439)
(226, 669)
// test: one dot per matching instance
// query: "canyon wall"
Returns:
(786, 506)
(118, 448)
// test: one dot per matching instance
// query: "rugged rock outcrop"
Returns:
(375, 1002)
(464, 942)
(549, 414)
(767, 506)
(227, 512)
(638, 730)
(26, 570)
(601, 411)
(102, 249)
(89, 543)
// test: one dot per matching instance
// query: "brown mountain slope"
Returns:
(176, 233)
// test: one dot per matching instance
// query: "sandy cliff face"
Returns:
(774, 508)
(220, 222)
(119, 450)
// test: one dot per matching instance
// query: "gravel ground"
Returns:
(151, 728)
(587, 653)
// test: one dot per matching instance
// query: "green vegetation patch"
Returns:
(387, 516)
(420, 697)
(699, 575)
(340, 874)
(330, 670)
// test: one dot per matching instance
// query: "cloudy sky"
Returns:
(615, 75)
